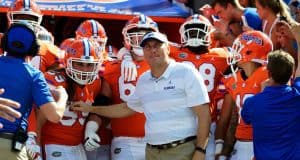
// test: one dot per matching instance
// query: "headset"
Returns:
(20, 40)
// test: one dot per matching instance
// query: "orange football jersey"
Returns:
(240, 90)
(70, 130)
(32, 126)
(132, 126)
(210, 65)
(49, 57)
(219, 99)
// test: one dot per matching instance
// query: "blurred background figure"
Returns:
(194, 5)
(247, 3)
(295, 9)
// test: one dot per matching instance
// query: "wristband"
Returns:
(219, 146)
(200, 150)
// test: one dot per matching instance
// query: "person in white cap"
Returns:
(173, 98)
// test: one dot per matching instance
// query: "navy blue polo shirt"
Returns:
(22, 83)
(275, 117)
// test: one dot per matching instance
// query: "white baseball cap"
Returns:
(153, 35)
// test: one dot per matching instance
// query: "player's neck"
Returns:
(250, 68)
(199, 50)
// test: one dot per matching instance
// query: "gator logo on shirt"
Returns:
(56, 154)
(117, 150)
(183, 55)
(233, 86)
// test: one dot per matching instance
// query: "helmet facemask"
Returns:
(195, 34)
(133, 37)
(101, 43)
(235, 53)
(134, 31)
(83, 77)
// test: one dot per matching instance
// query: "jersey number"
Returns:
(240, 103)
(70, 117)
(125, 89)
(208, 73)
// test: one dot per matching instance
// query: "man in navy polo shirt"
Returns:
(275, 112)
(26, 85)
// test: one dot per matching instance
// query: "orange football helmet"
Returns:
(250, 46)
(195, 31)
(25, 10)
(66, 44)
(92, 29)
(134, 31)
(82, 62)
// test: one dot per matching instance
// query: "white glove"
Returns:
(91, 137)
(33, 149)
(122, 52)
(128, 68)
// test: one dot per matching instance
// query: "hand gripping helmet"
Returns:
(82, 63)
(134, 31)
(195, 31)
(250, 46)
(93, 30)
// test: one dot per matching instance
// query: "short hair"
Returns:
(280, 66)
(224, 3)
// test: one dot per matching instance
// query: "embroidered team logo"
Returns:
(183, 55)
(56, 154)
(117, 150)
(233, 86)
(170, 86)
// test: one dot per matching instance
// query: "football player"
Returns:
(195, 49)
(128, 133)
(249, 52)
(132, 37)
(64, 140)
(47, 58)
(28, 10)
(95, 32)
(50, 56)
